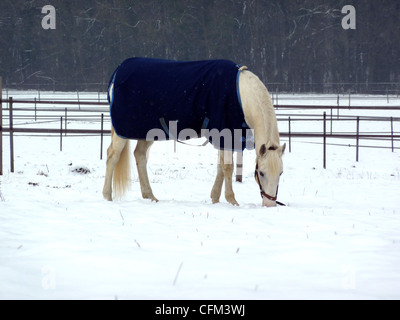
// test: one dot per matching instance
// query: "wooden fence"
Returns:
(100, 115)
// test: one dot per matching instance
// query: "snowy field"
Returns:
(337, 238)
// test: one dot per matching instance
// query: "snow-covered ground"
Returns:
(337, 238)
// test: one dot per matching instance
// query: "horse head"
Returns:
(268, 170)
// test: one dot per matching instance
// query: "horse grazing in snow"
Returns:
(213, 98)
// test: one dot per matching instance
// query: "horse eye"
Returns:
(261, 174)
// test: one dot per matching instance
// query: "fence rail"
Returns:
(13, 128)
(381, 88)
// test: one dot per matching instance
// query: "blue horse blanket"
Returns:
(201, 97)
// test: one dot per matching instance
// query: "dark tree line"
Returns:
(292, 45)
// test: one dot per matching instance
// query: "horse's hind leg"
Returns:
(219, 180)
(140, 153)
(113, 155)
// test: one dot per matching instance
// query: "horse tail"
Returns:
(122, 170)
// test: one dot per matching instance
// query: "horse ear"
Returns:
(282, 149)
(263, 150)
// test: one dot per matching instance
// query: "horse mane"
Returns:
(267, 108)
(257, 96)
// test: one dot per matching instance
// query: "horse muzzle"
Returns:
(267, 202)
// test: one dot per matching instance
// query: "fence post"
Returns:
(79, 103)
(35, 110)
(391, 127)
(11, 136)
(349, 99)
(101, 137)
(65, 122)
(1, 126)
(290, 137)
(357, 137)
(338, 104)
(239, 166)
(61, 121)
(324, 140)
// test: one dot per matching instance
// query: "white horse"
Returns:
(259, 115)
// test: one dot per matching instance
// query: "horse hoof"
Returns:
(151, 197)
(233, 202)
(107, 197)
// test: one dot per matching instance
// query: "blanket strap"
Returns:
(165, 127)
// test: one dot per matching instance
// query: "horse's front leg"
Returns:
(140, 153)
(227, 167)
(225, 172)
